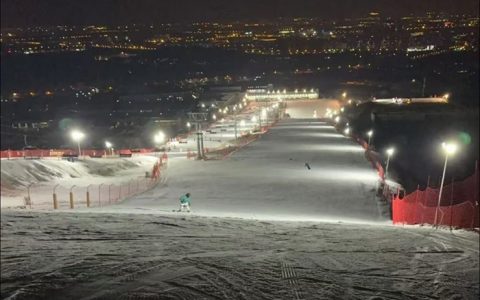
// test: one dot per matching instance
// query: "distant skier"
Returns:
(307, 166)
(185, 202)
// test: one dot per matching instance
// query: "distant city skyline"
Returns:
(16, 13)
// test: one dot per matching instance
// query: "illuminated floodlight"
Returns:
(446, 96)
(203, 105)
(214, 117)
(77, 135)
(350, 101)
(159, 137)
(337, 119)
(449, 148)
(344, 94)
(109, 145)
(342, 109)
(347, 131)
(390, 151)
(369, 133)
(254, 119)
(189, 125)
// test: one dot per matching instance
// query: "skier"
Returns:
(307, 165)
(185, 202)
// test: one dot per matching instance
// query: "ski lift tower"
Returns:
(198, 118)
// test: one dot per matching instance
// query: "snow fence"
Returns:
(458, 207)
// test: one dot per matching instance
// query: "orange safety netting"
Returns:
(458, 207)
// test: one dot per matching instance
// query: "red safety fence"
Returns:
(44, 153)
(458, 207)
(372, 156)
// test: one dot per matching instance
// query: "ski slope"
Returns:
(263, 226)
(268, 179)
(143, 256)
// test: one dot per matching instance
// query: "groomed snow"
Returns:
(244, 238)
(144, 256)
(268, 179)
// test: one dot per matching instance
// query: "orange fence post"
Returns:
(71, 197)
(88, 196)
(55, 202)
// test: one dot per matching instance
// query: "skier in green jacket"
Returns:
(185, 202)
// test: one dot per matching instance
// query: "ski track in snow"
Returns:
(144, 256)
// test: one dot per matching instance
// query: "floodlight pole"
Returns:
(386, 167)
(79, 150)
(441, 189)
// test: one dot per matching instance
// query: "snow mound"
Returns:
(20, 173)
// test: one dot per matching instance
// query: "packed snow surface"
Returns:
(292, 215)
(145, 256)
(269, 179)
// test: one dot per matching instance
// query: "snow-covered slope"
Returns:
(44, 174)
(268, 179)
(141, 256)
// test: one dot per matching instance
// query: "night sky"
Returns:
(86, 12)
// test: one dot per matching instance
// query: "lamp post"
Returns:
(109, 145)
(159, 138)
(369, 133)
(450, 149)
(77, 136)
(389, 151)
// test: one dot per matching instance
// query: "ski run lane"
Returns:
(269, 179)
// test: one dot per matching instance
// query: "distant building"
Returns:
(267, 94)
(412, 100)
